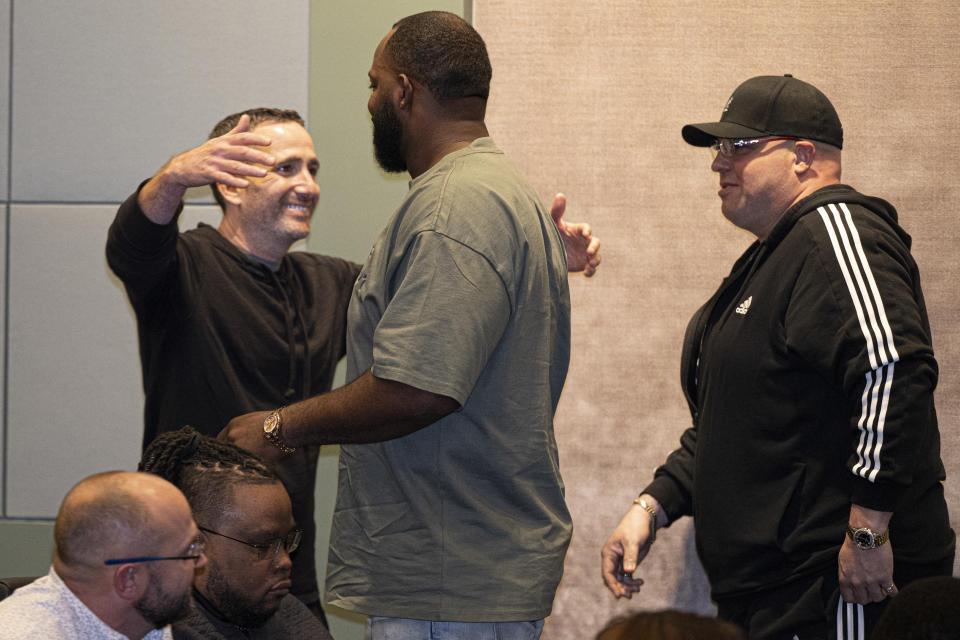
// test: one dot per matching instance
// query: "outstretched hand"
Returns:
(583, 250)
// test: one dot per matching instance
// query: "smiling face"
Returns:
(246, 589)
(278, 207)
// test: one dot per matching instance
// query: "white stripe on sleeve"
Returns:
(875, 327)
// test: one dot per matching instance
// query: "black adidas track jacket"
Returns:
(810, 376)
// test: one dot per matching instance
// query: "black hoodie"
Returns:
(220, 333)
(810, 376)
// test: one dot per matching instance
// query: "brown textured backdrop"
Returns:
(589, 98)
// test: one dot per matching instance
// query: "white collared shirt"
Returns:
(46, 608)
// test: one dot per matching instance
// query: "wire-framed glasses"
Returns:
(732, 147)
(289, 542)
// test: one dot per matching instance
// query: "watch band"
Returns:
(649, 508)
(271, 432)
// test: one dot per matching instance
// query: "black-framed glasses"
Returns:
(731, 147)
(289, 542)
(194, 552)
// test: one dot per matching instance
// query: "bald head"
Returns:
(116, 514)
(829, 160)
(816, 165)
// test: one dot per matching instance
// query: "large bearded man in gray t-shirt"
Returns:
(450, 503)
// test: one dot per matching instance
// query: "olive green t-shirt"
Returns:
(465, 295)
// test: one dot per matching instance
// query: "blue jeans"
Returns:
(379, 628)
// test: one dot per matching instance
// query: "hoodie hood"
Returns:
(834, 194)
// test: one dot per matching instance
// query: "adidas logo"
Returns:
(744, 306)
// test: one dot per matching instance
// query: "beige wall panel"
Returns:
(75, 397)
(589, 98)
(105, 91)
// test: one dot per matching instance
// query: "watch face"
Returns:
(271, 423)
(863, 538)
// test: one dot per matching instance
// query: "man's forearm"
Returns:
(369, 409)
(160, 198)
(877, 521)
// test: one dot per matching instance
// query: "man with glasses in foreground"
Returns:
(244, 513)
(126, 550)
(812, 467)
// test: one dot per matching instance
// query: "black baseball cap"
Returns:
(772, 106)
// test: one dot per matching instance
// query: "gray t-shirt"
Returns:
(464, 294)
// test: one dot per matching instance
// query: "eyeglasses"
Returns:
(194, 552)
(289, 542)
(731, 147)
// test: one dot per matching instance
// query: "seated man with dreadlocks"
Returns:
(244, 513)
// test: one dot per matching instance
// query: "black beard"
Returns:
(388, 139)
(234, 606)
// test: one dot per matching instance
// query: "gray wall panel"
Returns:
(4, 93)
(27, 548)
(356, 197)
(105, 91)
(4, 208)
(74, 391)
(4, 150)
(74, 381)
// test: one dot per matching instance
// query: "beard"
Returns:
(388, 139)
(161, 608)
(234, 605)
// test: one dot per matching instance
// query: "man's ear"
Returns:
(405, 90)
(130, 581)
(229, 194)
(806, 151)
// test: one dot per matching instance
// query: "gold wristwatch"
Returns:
(866, 538)
(649, 508)
(271, 432)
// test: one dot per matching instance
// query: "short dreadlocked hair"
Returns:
(205, 469)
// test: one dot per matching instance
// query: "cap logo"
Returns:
(726, 107)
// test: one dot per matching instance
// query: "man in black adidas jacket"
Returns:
(812, 467)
